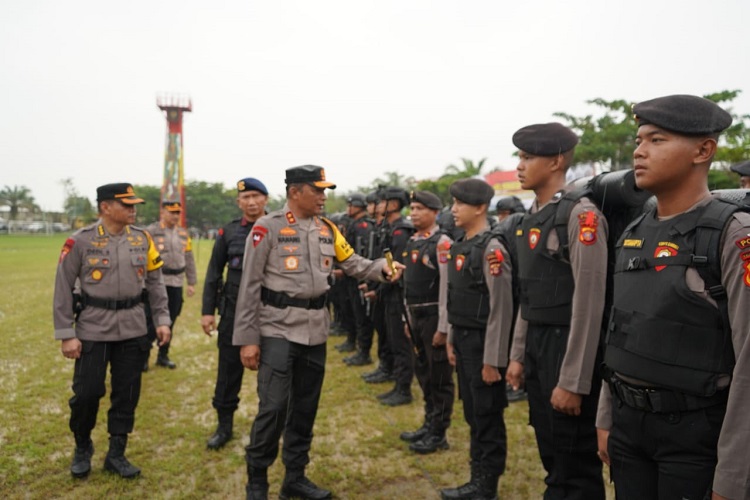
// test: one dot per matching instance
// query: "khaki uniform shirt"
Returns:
(732, 476)
(589, 267)
(294, 256)
(113, 267)
(176, 250)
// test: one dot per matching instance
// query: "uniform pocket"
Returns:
(95, 269)
(327, 258)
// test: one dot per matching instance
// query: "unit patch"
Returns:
(291, 263)
(443, 251)
(96, 275)
(535, 235)
(414, 256)
(665, 249)
(587, 223)
(495, 260)
(743, 243)
(460, 259)
(67, 246)
(259, 232)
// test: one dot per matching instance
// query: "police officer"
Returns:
(228, 252)
(359, 234)
(395, 233)
(677, 356)
(507, 206)
(562, 293)
(176, 249)
(282, 324)
(743, 169)
(480, 312)
(426, 297)
(110, 262)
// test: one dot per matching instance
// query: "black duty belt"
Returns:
(112, 304)
(658, 400)
(419, 311)
(282, 300)
(167, 270)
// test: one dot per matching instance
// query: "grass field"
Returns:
(356, 451)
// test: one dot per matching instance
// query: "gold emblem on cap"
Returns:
(241, 186)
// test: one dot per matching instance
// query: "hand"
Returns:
(371, 295)
(399, 271)
(514, 375)
(490, 374)
(164, 334)
(602, 436)
(71, 348)
(451, 354)
(363, 287)
(250, 356)
(338, 274)
(208, 323)
(566, 402)
(190, 290)
(439, 339)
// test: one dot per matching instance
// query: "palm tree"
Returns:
(16, 198)
(469, 168)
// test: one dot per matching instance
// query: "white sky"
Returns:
(359, 87)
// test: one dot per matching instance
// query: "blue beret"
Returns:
(251, 184)
(683, 114)
(472, 191)
(545, 139)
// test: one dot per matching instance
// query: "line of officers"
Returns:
(522, 303)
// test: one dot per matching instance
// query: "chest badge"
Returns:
(664, 249)
(291, 263)
(535, 234)
(459, 260)
(414, 256)
(96, 275)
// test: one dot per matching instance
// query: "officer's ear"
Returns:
(705, 150)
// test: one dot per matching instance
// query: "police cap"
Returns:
(472, 191)
(427, 199)
(742, 168)
(545, 139)
(510, 203)
(308, 174)
(251, 184)
(172, 206)
(356, 200)
(121, 191)
(683, 114)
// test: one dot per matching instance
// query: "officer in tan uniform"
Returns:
(281, 322)
(176, 249)
(111, 262)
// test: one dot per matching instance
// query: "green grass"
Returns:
(356, 451)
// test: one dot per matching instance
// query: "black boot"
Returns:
(413, 436)
(466, 491)
(81, 465)
(257, 484)
(223, 432)
(347, 346)
(296, 485)
(379, 378)
(388, 394)
(487, 486)
(116, 461)
(145, 363)
(430, 444)
(401, 396)
(359, 359)
(163, 358)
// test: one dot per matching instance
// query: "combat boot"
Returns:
(414, 436)
(487, 486)
(223, 432)
(401, 396)
(257, 484)
(359, 359)
(430, 444)
(346, 346)
(162, 359)
(296, 485)
(116, 461)
(466, 491)
(81, 465)
(380, 377)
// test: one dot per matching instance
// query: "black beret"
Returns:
(472, 191)
(545, 139)
(427, 199)
(395, 193)
(511, 203)
(251, 184)
(172, 206)
(372, 197)
(356, 200)
(742, 168)
(121, 191)
(684, 114)
(308, 174)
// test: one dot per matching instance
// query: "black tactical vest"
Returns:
(422, 283)
(546, 280)
(660, 331)
(468, 295)
(236, 235)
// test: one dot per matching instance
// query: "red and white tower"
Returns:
(173, 187)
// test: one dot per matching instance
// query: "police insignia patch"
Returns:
(414, 256)
(534, 235)
(259, 232)
(67, 246)
(460, 259)
(743, 243)
(665, 249)
(495, 260)
(96, 275)
(587, 222)
(291, 263)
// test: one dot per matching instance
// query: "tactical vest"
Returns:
(422, 283)
(660, 331)
(236, 235)
(361, 236)
(468, 295)
(545, 279)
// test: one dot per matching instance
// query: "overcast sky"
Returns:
(359, 87)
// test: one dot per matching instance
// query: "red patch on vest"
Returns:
(587, 222)
(460, 262)
(259, 232)
(67, 246)
(414, 256)
(535, 235)
(663, 251)
(221, 231)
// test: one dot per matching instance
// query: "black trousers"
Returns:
(400, 345)
(664, 455)
(174, 303)
(290, 378)
(483, 404)
(567, 444)
(362, 322)
(385, 356)
(229, 371)
(125, 359)
(435, 375)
